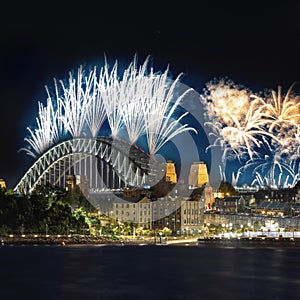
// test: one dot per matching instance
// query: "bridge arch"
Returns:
(106, 163)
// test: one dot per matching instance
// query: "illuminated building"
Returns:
(208, 196)
(70, 183)
(219, 195)
(198, 175)
(179, 215)
(171, 175)
(139, 212)
(78, 184)
(2, 184)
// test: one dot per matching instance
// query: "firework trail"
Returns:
(282, 112)
(96, 113)
(135, 88)
(237, 123)
(160, 127)
(75, 102)
(243, 136)
(46, 132)
(112, 101)
(272, 167)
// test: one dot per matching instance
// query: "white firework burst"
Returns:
(139, 99)
(46, 133)
(75, 102)
(96, 113)
(160, 124)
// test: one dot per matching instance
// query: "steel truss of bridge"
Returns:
(105, 163)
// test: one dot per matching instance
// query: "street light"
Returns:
(160, 234)
(46, 229)
(242, 228)
(100, 229)
(249, 226)
(223, 228)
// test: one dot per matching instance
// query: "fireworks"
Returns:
(96, 113)
(142, 101)
(47, 131)
(158, 113)
(262, 132)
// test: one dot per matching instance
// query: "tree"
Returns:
(228, 190)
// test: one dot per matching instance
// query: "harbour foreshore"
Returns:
(91, 240)
(258, 241)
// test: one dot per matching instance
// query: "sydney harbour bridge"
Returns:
(106, 163)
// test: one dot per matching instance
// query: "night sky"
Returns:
(254, 44)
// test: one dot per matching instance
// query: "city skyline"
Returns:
(203, 44)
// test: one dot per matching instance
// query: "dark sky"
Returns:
(252, 43)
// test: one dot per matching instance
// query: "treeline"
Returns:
(48, 210)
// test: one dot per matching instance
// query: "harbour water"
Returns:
(148, 272)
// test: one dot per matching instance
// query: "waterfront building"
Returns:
(166, 214)
(145, 213)
(181, 215)
(139, 212)
(270, 208)
(252, 222)
(276, 195)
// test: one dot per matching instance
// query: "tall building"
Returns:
(171, 175)
(198, 175)
(2, 184)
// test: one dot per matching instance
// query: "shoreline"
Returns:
(63, 241)
(249, 242)
(197, 242)
(89, 240)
